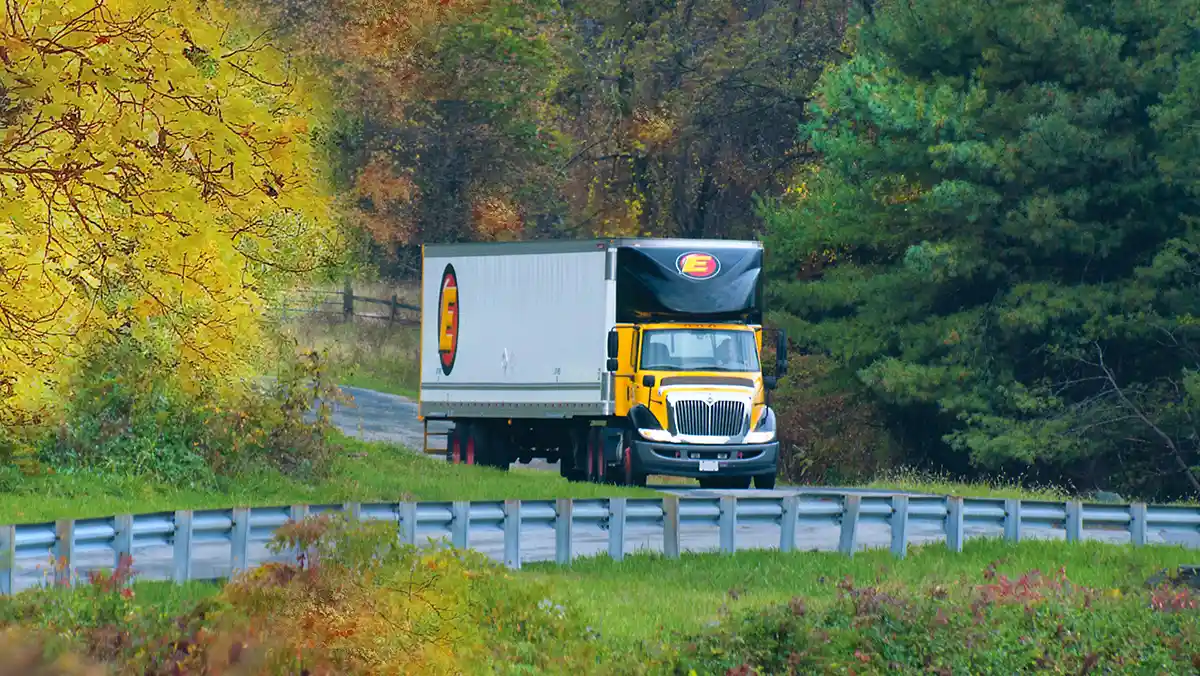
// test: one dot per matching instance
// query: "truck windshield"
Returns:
(699, 350)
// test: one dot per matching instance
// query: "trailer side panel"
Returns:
(519, 334)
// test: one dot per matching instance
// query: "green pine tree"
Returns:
(1002, 241)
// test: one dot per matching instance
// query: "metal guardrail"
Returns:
(519, 521)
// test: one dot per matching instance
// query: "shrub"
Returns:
(1001, 625)
(354, 601)
(25, 654)
(130, 415)
(827, 434)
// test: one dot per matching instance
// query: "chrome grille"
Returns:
(718, 419)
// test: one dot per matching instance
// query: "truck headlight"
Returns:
(764, 431)
(661, 436)
(647, 425)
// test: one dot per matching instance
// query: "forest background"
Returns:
(980, 218)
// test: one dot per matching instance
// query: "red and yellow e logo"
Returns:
(448, 320)
(697, 265)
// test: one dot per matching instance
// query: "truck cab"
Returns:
(696, 401)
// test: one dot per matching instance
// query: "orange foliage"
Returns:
(391, 193)
(495, 218)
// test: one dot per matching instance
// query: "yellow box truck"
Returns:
(616, 358)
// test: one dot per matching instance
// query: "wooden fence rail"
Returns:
(348, 300)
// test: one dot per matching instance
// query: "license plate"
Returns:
(708, 466)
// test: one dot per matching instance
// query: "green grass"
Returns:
(646, 596)
(364, 353)
(939, 484)
(363, 472)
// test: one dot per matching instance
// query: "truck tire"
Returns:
(470, 444)
(454, 445)
(572, 463)
(765, 482)
(596, 465)
(726, 482)
(489, 446)
(628, 476)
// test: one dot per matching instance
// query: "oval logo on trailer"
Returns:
(697, 265)
(448, 320)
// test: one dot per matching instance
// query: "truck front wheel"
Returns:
(628, 476)
(725, 482)
(765, 482)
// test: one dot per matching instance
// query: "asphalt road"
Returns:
(378, 416)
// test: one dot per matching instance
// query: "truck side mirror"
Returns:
(781, 357)
(770, 382)
(614, 345)
(611, 365)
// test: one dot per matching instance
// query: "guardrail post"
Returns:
(671, 526)
(408, 523)
(848, 541)
(563, 516)
(182, 560)
(1074, 525)
(512, 533)
(954, 523)
(8, 559)
(123, 538)
(728, 524)
(64, 551)
(899, 524)
(787, 523)
(1012, 520)
(616, 528)
(353, 510)
(460, 524)
(296, 514)
(239, 540)
(1137, 524)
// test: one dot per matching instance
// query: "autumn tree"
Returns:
(1001, 243)
(156, 178)
(683, 111)
(445, 120)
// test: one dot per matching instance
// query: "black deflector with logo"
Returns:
(702, 281)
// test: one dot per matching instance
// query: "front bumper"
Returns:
(659, 458)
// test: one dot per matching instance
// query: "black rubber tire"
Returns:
(597, 468)
(725, 482)
(629, 475)
(454, 445)
(765, 482)
(489, 447)
(572, 466)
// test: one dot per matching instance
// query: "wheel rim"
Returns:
(628, 466)
(601, 467)
(591, 458)
(455, 448)
(470, 449)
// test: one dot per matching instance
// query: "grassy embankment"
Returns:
(995, 608)
(362, 472)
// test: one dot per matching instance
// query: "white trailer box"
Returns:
(516, 329)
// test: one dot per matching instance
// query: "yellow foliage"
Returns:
(155, 175)
(495, 218)
(652, 128)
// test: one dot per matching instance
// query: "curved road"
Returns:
(378, 416)
(385, 417)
